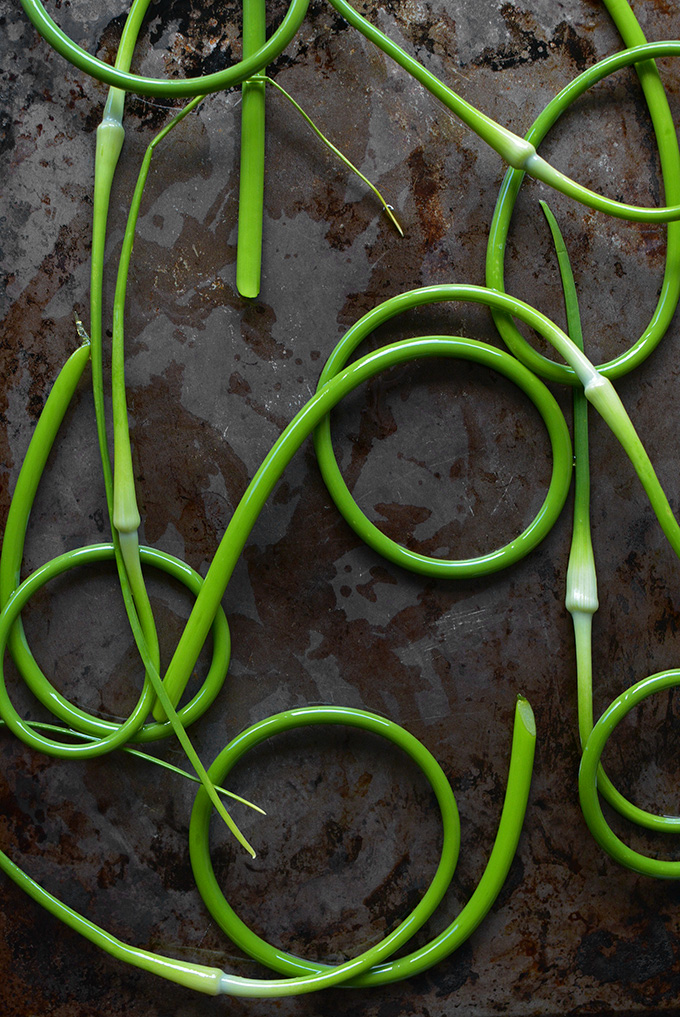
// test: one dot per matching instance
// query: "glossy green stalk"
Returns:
(333, 389)
(512, 149)
(40, 446)
(175, 88)
(518, 152)
(251, 182)
(370, 968)
(14, 538)
(125, 513)
(669, 156)
(336, 151)
(110, 136)
(126, 518)
(581, 593)
(194, 976)
(592, 778)
(602, 395)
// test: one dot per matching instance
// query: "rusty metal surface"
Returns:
(451, 460)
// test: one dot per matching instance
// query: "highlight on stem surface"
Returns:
(582, 604)
(89, 735)
(520, 153)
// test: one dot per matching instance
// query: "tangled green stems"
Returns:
(371, 968)
(518, 152)
(119, 484)
(121, 78)
(582, 603)
(335, 384)
(670, 165)
(14, 597)
(12, 591)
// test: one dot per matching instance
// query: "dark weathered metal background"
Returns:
(450, 458)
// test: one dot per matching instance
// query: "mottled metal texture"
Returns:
(450, 459)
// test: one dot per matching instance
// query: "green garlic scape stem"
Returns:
(121, 495)
(251, 180)
(582, 603)
(194, 976)
(518, 152)
(370, 969)
(110, 137)
(330, 392)
(581, 594)
(126, 518)
(669, 155)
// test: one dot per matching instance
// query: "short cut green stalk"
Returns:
(251, 181)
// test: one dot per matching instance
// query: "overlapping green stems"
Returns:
(158, 711)
(518, 152)
(582, 600)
